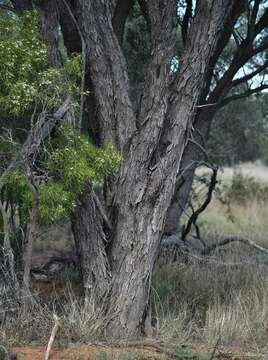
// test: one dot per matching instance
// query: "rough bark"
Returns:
(148, 175)
(108, 74)
(49, 28)
(155, 147)
(87, 224)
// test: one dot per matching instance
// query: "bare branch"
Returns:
(251, 75)
(243, 95)
(243, 54)
(195, 214)
(232, 239)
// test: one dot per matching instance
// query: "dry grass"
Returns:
(80, 321)
(217, 300)
(247, 220)
(195, 301)
(207, 303)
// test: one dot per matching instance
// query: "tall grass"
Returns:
(225, 300)
(210, 303)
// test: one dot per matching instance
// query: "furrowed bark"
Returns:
(87, 224)
(49, 28)
(108, 74)
(148, 175)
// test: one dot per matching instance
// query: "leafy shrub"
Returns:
(25, 77)
(70, 161)
(245, 188)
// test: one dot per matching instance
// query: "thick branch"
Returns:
(252, 19)
(121, 13)
(163, 37)
(186, 19)
(108, 74)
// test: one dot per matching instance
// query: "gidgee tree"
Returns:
(159, 130)
(151, 140)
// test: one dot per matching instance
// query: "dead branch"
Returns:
(193, 218)
(42, 129)
(232, 239)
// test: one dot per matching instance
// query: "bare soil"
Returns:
(95, 352)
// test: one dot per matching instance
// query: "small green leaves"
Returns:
(25, 77)
(70, 161)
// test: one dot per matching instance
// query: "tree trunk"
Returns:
(49, 28)
(90, 240)
(152, 146)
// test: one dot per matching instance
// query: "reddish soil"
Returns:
(84, 352)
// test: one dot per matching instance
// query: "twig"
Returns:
(52, 336)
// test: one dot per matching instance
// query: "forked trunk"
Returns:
(152, 144)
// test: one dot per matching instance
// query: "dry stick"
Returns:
(52, 336)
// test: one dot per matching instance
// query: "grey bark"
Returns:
(49, 28)
(148, 175)
(155, 146)
(90, 239)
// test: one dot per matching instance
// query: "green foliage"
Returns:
(16, 191)
(25, 76)
(136, 45)
(55, 203)
(23, 57)
(244, 125)
(74, 160)
(70, 161)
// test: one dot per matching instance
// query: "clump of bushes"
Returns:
(246, 188)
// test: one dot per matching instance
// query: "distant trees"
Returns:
(239, 132)
(153, 97)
